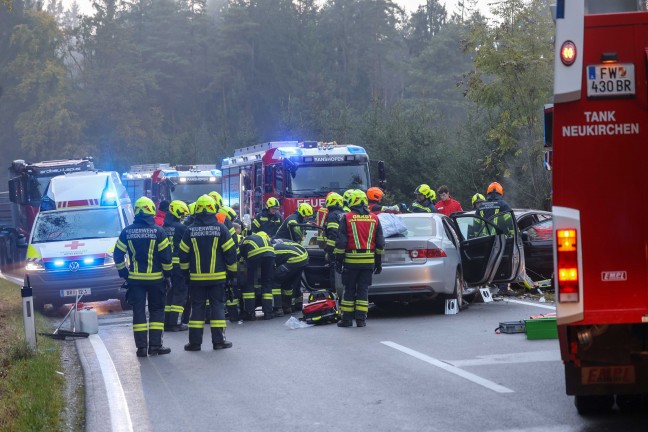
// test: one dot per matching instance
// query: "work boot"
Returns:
(222, 345)
(278, 312)
(141, 352)
(176, 328)
(248, 317)
(158, 350)
(267, 315)
(345, 323)
(287, 311)
(192, 347)
(361, 323)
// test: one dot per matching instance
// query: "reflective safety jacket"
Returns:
(332, 225)
(207, 251)
(494, 205)
(289, 229)
(290, 254)
(148, 249)
(174, 230)
(360, 239)
(320, 221)
(426, 206)
(266, 222)
(255, 247)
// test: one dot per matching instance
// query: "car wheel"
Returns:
(459, 288)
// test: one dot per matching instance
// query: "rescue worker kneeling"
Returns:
(358, 250)
(258, 254)
(149, 255)
(291, 259)
(207, 252)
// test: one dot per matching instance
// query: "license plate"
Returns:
(608, 375)
(610, 80)
(75, 292)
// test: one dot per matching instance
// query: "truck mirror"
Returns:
(382, 175)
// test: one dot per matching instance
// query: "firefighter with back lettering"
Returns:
(177, 295)
(231, 287)
(494, 205)
(358, 251)
(425, 197)
(320, 221)
(207, 252)
(258, 254)
(149, 255)
(269, 219)
(375, 196)
(290, 259)
(290, 230)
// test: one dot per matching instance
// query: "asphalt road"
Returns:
(410, 369)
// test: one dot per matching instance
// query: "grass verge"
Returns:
(31, 385)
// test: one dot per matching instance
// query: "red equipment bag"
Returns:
(322, 308)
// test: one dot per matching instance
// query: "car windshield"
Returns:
(76, 225)
(189, 192)
(419, 226)
(313, 179)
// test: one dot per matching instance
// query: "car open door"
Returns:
(511, 267)
(481, 245)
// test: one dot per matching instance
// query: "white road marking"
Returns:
(119, 414)
(523, 357)
(13, 279)
(450, 368)
(532, 304)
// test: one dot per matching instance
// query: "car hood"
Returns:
(74, 248)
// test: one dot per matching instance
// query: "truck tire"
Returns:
(588, 405)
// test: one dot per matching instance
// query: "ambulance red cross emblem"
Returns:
(74, 245)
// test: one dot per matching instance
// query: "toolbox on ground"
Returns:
(511, 327)
(321, 308)
(541, 328)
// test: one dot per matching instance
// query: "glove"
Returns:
(124, 286)
(339, 266)
(168, 284)
(393, 208)
(378, 265)
(403, 207)
(123, 273)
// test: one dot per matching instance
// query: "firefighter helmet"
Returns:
(305, 210)
(426, 191)
(495, 187)
(178, 209)
(272, 203)
(477, 198)
(218, 199)
(205, 204)
(347, 196)
(144, 205)
(334, 199)
(359, 198)
(375, 194)
(192, 207)
(228, 212)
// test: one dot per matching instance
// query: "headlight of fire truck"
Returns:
(35, 265)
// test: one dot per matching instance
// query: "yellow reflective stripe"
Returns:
(184, 247)
(167, 267)
(259, 250)
(276, 291)
(256, 223)
(132, 249)
(288, 292)
(197, 324)
(218, 323)
(175, 260)
(330, 242)
(197, 255)
(156, 325)
(120, 266)
(370, 236)
(149, 262)
(356, 238)
(121, 246)
(208, 276)
(145, 276)
(333, 225)
(163, 244)
(184, 266)
(227, 245)
(174, 308)
(232, 231)
(248, 295)
(298, 258)
(338, 251)
(267, 296)
(232, 267)
(140, 327)
(212, 264)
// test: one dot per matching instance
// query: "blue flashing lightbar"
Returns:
(171, 173)
(356, 150)
(290, 151)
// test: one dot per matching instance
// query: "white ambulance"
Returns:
(71, 246)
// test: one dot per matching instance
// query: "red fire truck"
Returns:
(294, 172)
(164, 182)
(600, 149)
(27, 182)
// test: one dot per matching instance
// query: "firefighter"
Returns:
(358, 250)
(290, 259)
(375, 196)
(258, 254)
(290, 230)
(149, 257)
(425, 197)
(232, 303)
(269, 219)
(320, 221)
(207, 253)
(494, 205)
(190, 217)
(218, 201)
(334, 204)
(346, 197)
(476, 200)
(177, 295)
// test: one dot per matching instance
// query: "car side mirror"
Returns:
(525, 237)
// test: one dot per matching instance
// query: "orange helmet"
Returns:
(495, 187)
(375, 194)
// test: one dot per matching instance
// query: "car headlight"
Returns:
(109, 259)
(34, 266)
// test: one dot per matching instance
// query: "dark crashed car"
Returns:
(536, 227)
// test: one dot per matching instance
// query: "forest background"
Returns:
(444, 97)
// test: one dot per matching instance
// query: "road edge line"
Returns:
(532, 304)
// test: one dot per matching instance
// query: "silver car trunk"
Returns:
(397, 249)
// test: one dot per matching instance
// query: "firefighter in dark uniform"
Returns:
(177, 295)
(346, 196)
(218, 200)
(334, 205)
(258, 254)
(494, 205)
(149, 255)
(269, 219)
(207, 252)
(290, 259)
(320, 221)
(358, 251)
(425, 197)
(375, 196)
(289, 229)
(190, 218)
(231, 288)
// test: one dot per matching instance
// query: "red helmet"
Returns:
(495, 187)
(375, 194)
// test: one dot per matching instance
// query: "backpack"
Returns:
(322, 308)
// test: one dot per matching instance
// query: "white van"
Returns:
(73, 238)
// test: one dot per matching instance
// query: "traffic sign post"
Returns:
(28, 313)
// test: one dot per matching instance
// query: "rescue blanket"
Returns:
(392, 224)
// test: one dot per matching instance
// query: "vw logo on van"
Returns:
(74, 266)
